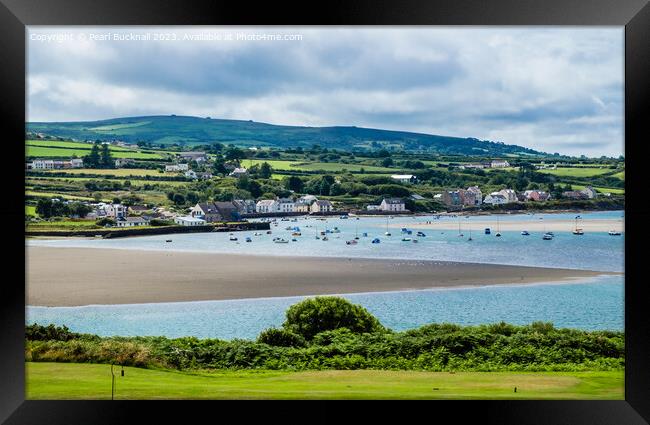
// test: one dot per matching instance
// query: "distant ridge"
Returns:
(187, 130)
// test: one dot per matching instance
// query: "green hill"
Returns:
(185, 130)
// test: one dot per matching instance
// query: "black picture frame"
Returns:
(634, 15)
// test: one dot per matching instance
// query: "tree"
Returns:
(219, 166)
(387, 162)
(281, 338)
(92, 160)
(314, 315)
(265, 170)
(44, 208)
(324, 188)
(106, 161)
(294, 183)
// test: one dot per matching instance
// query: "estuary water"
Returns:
(590, 304)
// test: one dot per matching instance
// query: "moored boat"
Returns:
(614, 233)
(376, 240)
(525, 233)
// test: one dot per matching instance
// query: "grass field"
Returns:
(313, 166)
(93, 381)
(64, 225)
(612, 190)
(120, 172)
(577, 171)
(45, 152)
(70, 145)
(59, 195)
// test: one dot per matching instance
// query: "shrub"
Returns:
(281, 338)
(314, 315)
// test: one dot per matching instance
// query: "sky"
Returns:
(553, 89)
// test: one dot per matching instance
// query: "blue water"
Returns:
(592, 251)
(594, 304)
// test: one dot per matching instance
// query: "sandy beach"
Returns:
(76, 276)
(532, 225)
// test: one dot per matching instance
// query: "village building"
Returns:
(499, 164)
(495, 198)
(536, 195)
(204, 175)
(265, 206)
(509, 194)
(111, 210)
(285, 205)
(177, 167)
(574, 194)
(452, 198)
(392, 204)
(244, 206)
(589, 192)
(477, 195)
(191, 174)
(215, 211)
(321, 206)
(122, 162)
(403, 178)
(303, 204)
(189, 221)
(238, 172)
(49, 164)
(373, 207)
(137, 209)
(194, 156)
(132, 222)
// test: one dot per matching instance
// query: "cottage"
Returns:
(189, 221)
(239, 172)
(495, 198)
(194, 156)
(392, 204)
(285, 205)
(265, 206)
(132, 221)
(215, 211)
(111, 210)
(536, 195)
(177, 167)
(509, 194)
(499, 164)
(476, 194)
(403, 178)
(244, 206)
(574, 194)
(303, 204)
(321, 206)
(589, 192)
(138, 209)
(122, 162)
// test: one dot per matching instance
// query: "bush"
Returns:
(281, 338)
(160, 222)
(105, 221)
(315, 315)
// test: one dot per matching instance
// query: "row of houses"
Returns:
(51, 164)
(304, 204)
(491, 164)
(472, 196)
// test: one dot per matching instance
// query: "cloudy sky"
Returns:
(548, 88)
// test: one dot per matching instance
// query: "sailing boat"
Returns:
(578, 231)
(387, 232)
(547, 235)
(356, 230)
(460, 235)
(470, 234)
(498, 234)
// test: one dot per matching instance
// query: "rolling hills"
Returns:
(186, 130)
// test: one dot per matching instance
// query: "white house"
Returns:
(77, 163)
(495, 198)
(190, 174)
(112, 210)
(238, 172)
(285, 205)
(392, 204)
(373, 207)
(321, 206)
(499, 164)
(189, 221)
(177, 167)
(132, 221)
(265, 206)
(194, 156)
(403, 178)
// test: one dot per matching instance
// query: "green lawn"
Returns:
(612, 190)
(30, 210)
(313, 166)
(70, 145)
(93, 381)
(64, 225)
(58, 195)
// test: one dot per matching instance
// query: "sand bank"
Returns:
(76, 276)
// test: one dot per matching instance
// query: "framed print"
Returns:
(435, 201)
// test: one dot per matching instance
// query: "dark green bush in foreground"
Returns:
(368, 345)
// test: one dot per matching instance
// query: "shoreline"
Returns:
(538, 225)
(57, 277)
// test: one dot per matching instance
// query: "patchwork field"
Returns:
(56, 149)
(93, 381)
(577, 171)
